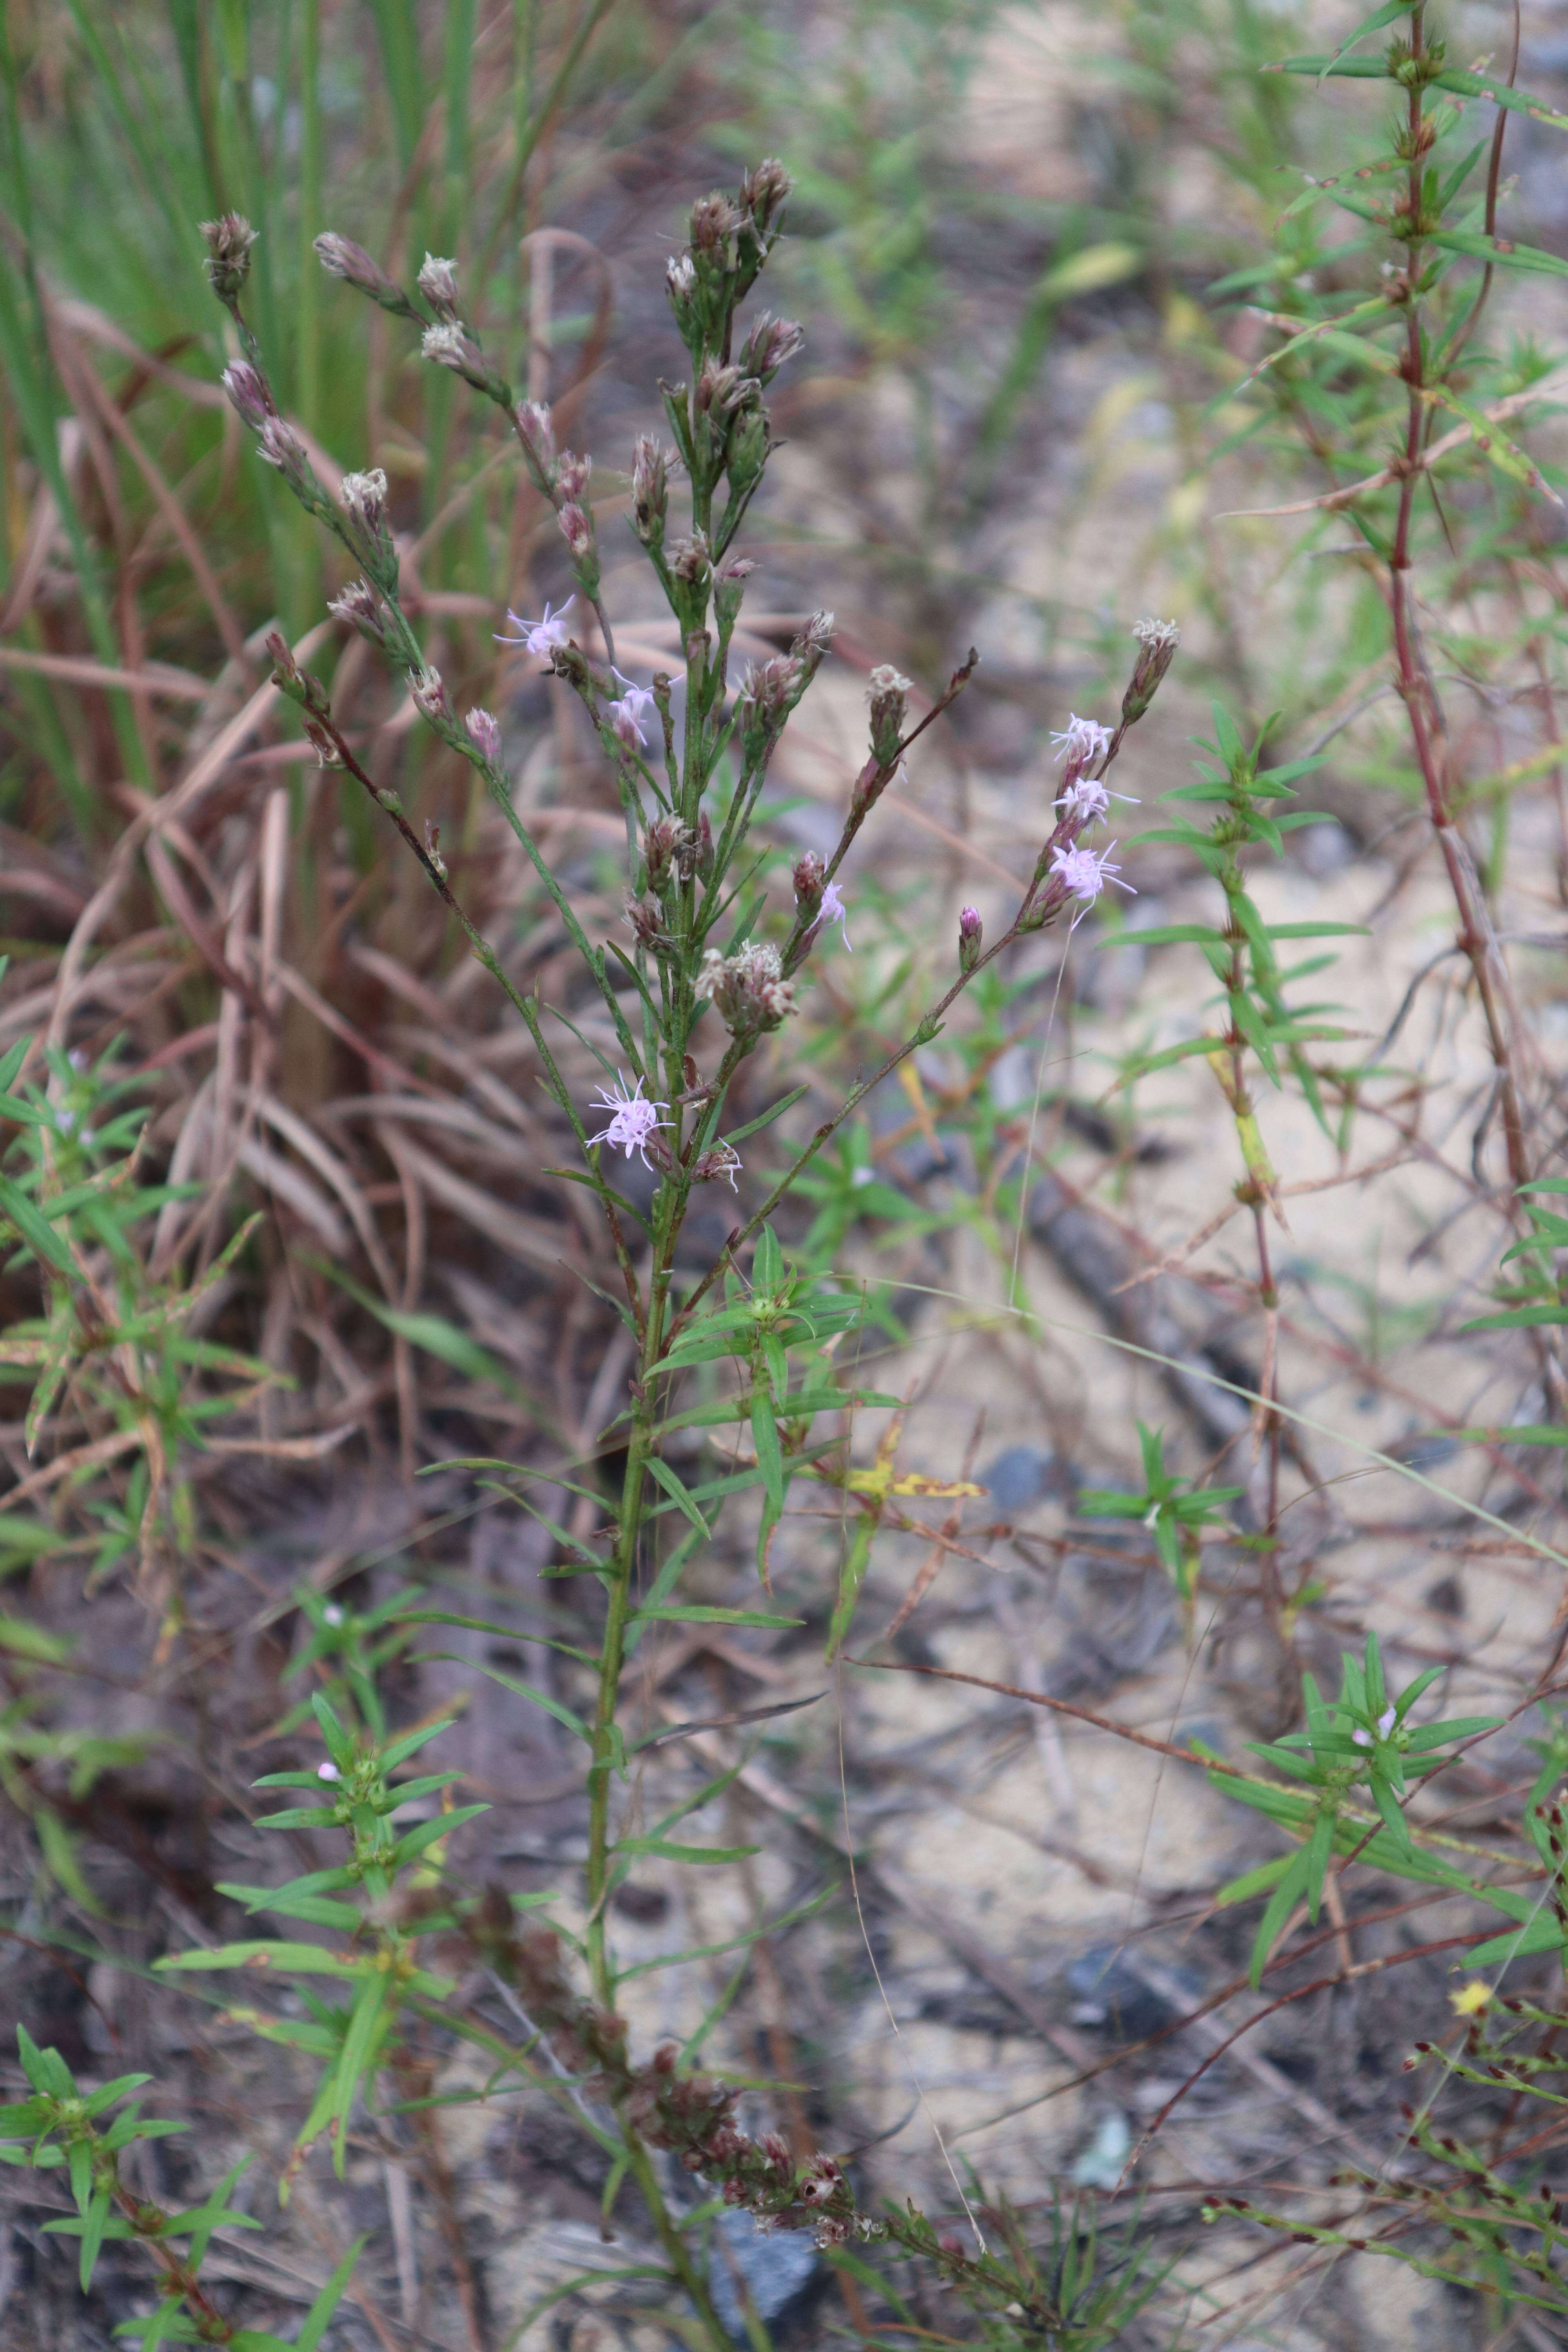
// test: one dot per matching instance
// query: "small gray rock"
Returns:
(775, 2269)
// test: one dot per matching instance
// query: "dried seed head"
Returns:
(536, 431)
(430, 697)
(807, 880)
(346, 259)
(282, 448)
(722, 1165)
(714, 220)
(763, 190)
(769, 689)
(577, 531)
(438, 282)
(229, 239)
(887, 693)
(648, 924)
(720, 391)
(357, 605)
(650, 489)
(484, 733)
(572, 476)
(971, 937)
(364, 495)
(748, 990)
(771, 343)
(1157, 643)
(248, 389)
(690, 559)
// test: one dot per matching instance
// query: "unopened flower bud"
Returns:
(484, 734)
(536, 432)
(811, 647)
(971, 939)
(453, 347)
(248, 389)
(771, 343)
(887, 693)
(430, 697)
(651, 490)
(364, 497)
(808, 879)
(356, 605)
(704, 849)
(659, 847)
(680, 285)
(648, 924)
(750, 441)
(438, 282)
(1157, 643)
(769, 691)
(230, 240)
(286, 671)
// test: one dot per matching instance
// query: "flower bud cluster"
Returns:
(971, 939)
(748, 990)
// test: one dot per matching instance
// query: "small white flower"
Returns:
(833, 911)
(333, 1614)
(634, 1118)
(628, 715)
(328, 1772)
(539, 637)
(1086, 872)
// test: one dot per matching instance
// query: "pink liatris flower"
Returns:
(1085, 872)
(539, 637)
(833, 911)
(484, 733)
(626, 716)
(634, 1117)
(1081, 741)
(1385, 1722)
(1086, 799)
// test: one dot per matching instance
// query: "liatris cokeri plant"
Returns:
(706, 970)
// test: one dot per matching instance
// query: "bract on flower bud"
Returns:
(723, 390)
(230, 240)
(704, 848)
(807, 880)
(356, 605)
(1157, 643)
(660, 845)
(648, 924)
(438, 282)
(484, 733)
(680, 285)
(769, 691)
(748, 990)
(286, 671)
(690, 559)
(249, 391)
(971, 939)
(346, 259)
(429, 691)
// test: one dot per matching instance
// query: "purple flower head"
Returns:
(634, 1119)
(628, 715)
(1385, 1722)
(1086, 799)
(1081, 741)
(539, 637)
(1085, 872)
(833, 911)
